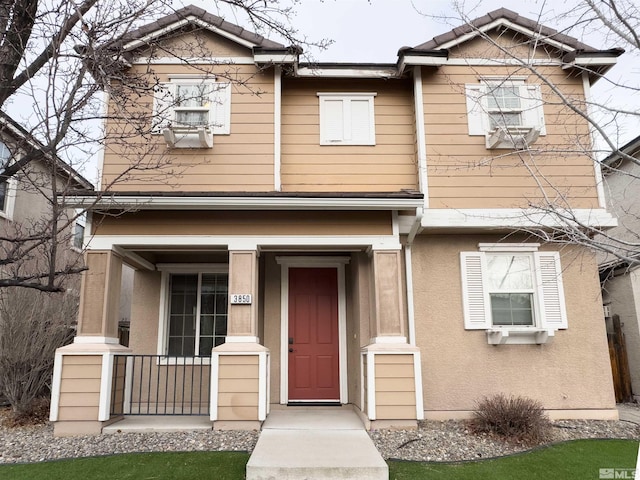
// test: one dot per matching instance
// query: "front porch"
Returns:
(230, 331)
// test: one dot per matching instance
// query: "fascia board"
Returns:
(243, 203)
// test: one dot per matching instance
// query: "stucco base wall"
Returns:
(459, 367)
(577, 414)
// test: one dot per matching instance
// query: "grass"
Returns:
(580, 459)
(136, 466)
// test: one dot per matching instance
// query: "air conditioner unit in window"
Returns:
(518, 138)
(188, 137)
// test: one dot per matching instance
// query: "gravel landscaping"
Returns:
(433, 441)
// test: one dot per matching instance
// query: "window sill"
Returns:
(519, 336)
(188, 137)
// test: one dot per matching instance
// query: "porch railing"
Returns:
(160, 385)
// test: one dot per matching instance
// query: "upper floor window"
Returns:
(507, 112)
(192, 103)
(513, 289)
(347, 119)
(7, 188)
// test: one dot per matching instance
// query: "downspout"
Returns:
(408, 270)
(277, 128)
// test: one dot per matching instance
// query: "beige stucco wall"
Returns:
(145, 312)
(389, 165)
(459, 367)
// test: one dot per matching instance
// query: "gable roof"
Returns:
(576, 53)
(192, 15)
(26, 140)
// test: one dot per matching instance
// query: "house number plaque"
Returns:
(241, 299)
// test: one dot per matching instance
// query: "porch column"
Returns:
(240, 366)
(391, 369)
(82, 379)
(388, 316)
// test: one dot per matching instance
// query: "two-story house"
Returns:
(26, 213)
(343, 233)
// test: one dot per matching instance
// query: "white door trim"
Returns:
(338, 263)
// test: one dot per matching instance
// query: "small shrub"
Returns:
(517, 419)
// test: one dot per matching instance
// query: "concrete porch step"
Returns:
(159, 423)
(315, 444)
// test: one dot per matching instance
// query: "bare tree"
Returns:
(62, 60)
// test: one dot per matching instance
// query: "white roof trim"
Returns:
(513, 26)
(245, 203)
(190, 18)
(434, 61)
(513, 218)
(347, 72)
(275, 57)
(587, 61)
(193, 61)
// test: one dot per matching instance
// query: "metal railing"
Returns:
(160, 385)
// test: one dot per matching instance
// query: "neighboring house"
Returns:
(25, 204)
(350, 235)
(620, 280)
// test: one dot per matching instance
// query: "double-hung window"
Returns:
(347, 119)
(8, 187)
(197, 313)
(508, 112)
(192, 103)
(513, 289)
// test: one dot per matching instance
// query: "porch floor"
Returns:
(315, 443)
(159, 423)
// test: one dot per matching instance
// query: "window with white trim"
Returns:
(77, 238)
(197, 313)
(191, 103)
(7, 188)
(507, 111)
(347, 119)
(513, 289)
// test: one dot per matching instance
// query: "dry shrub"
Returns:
(514, 418)
(33, 325)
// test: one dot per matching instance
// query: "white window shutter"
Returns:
(220, 114)
(550, 290)
(475, 109)
(477, 315)
(362, 122)
(163, 100)
(533, 110)
(332, 121)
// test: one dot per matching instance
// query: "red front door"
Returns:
(313, 334)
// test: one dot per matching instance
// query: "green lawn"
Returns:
(580, 460)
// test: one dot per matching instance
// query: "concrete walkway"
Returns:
(629, 413)
(315, 443)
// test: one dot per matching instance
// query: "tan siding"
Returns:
(556, 168)
(309, 166)
(225, 166)
(238, 387)
(80, 387)
(395, 387)
(245, 223)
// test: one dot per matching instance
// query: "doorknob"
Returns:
(291, 350)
